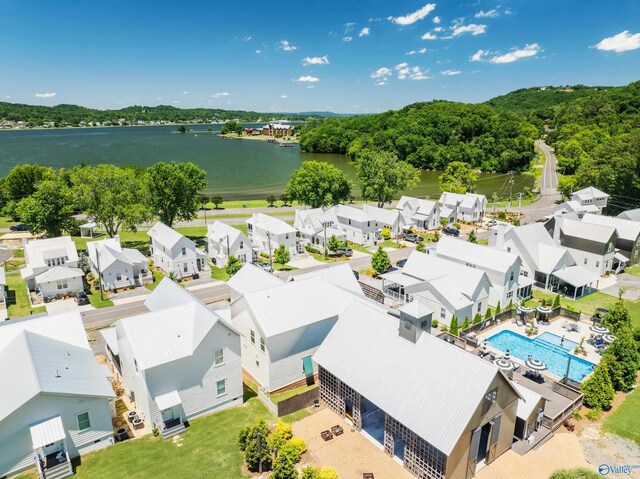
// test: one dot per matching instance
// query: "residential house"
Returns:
(177, 362)
(529, 413)
(224, 240)
(628, 241)
(340, 275)
(268, 233)
(277, 129)
(55, 403)
(447, 287)
(395, 383)
(633, 215)
(502, 268)
(539, 255)
(468, 207)
(358, 226)
(251, 278)
(591, 196)
(574, 209)
(313, 225)
(282, 326)
(425, 214)
(391, 220)
(174, 253)
(52, 267)
(118, 267)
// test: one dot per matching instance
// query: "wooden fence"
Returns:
(298, 402)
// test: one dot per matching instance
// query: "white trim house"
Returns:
(462, 207)
(251, 278)
(174, 253)
(392, 220)
(425, 214)
(591, 196)
(224, 240)
(267, 232)
(358, 226)
(314, 224)
(52, 267)
(55, 400)
(119, 267)
(179, 361)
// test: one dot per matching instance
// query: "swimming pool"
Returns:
(543, 348)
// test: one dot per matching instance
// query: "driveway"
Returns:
(628, 283)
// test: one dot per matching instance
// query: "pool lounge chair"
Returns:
(519, 321)
(574, 327)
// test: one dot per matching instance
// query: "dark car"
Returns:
(20, 227)
(81, 298)
(451, 231)
(401, 263)
(344, 251)
(413, 238)
(356, 274)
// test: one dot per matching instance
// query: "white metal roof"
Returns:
(164, 235)
(418, 206)
(590, 192)
(108, 248)
(271, 224)
(401, 278)
(534, 242)
(633, 215)
(167, 400)
(576, 276)
(579, 229)
(416, 309)
(47, 432)
(355, 214)
(58, 273)
(527, 403)
(411, 382)
(218, 232)
(479, 255)
(340, 275)
(387, 217)
(626, 229)
(524, 281)
(35, 251)
(251, 278)
(65, 327)
(111, 338)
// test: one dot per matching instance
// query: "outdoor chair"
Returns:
(326, 435)
(337, 430)
(574, 327)
(519, 321)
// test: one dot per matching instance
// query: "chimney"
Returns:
(415, 318)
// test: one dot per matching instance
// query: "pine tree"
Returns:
(453, 326)
(556, 301)
(498, 310)
(380, 261)
(233, 265)
(598, 390)
(284, 468)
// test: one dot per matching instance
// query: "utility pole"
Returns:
(228, 249)
(99, 273)
(519, 204)
(324, 226)
(270, 257)
(510, 187)
(495, 199)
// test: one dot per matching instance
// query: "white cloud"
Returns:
(429, 36)
(286, 46)
(308, 79)
(323, 60)
(405, 71)
(382, 72)
(472, 28)
(220, 94)
(247, 38)
(349, 26)
(347, 39)
(375, 19)
(493, 13)
(45, 95)
(284, 97)
(450, 72)
(311, 86)
(185, 92)
(436, 20)
(622, 42)
(529, 50)
(438, 29)
(175, 102)
(412, 18)
(8, 97)
(479, 56)
(416, 52)
(355, 106)
(258, 52)
(364, 32)
(158, 98)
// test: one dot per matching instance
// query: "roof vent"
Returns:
(67, 354)
(58, 374)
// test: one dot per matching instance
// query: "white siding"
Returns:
(110, 275)
(74, 285)
(289, 370)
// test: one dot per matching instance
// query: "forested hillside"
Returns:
(597, 141)
(432, 135)
(540, 101)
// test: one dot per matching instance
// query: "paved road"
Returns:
(550, 175)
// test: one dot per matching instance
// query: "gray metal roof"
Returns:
(626, 229)
(432, 387)
(579, 229)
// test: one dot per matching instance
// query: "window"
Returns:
(479, 306)
(218, 357)
(62, 284)
(610, 248)
(249, 227)
(221, 387)
(511, 277)
(185, 268)
(443, 313)
(525, 274)
(262, 346)
(253, 336)
(585, 261)
(368, 223)
(241, 244)
(184, 251)
(118, 277)
(597, 264)
(489, 400)
(349, 221)
(135, 364)
(508, 249)
(257, 363)
(83, 421)
(510, 294)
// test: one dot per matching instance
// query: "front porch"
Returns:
(49, 444)
(171, 412)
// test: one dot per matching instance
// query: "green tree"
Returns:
(333, 243)
(556, 301)
(498, 310)
(22, 180)
(182, 129)
(271, 199)
(453, 326)
(253, 441)
(577, 473)
(472, 238)
(310, 472)
(217, 201)
(174, 189)
(598, 390)
(233, 265)
(618, 319)
(465, 324)
(281, 255)
(318, 184)
(624, 360)
(380, 261)
(286, 200)
(231, 126)
(49, 209)
(458, 177)
(280, 436)
(421, 247)
(284, 468)
(381, 176)
(113, 197)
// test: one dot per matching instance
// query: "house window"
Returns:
(525, 274)
(610, 248)
(597, 264)
(257, 363)
(218, 357)
(185, 267)
(479, 306)
(585, 261)
(262, 346)
(349, 221)
(83, 421)
(443, 313)
(368, 223)
(489, 400)
(508, 249)
(241, 244)
(118, 277)
(511, 278)
(253, 336)
(62, 284)
(184, 251)
(221, 387)
(510, 294)
(135, 364)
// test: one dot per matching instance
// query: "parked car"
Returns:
(81, 298)
(451, 231)
(492, 222)
(401, 263)
(356, 274)
(266, 266)
(20, 227)
(344, 251)
(413, 238)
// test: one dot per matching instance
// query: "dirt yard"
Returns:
(350, 454)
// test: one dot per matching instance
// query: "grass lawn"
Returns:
(18, 304)
(6, 222)
(220, 214)
(389, 244)
(362, 249)
(625, 421)
(96, 302)
(14, 264)
(209, 448)
(283, 267)
(242, 227)
(218, 273)
(157, 277)
(276, 398)
(634, 270)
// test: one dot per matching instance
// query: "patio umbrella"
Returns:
(524, 309)
(504, 364)
(608, 338)
(599, 329)
(543, 309)
(535, 365)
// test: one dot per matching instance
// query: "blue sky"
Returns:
(345, 56)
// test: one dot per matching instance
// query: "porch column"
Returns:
(546, 281)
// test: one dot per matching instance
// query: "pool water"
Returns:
(544, 348)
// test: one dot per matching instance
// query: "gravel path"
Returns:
(603, 448)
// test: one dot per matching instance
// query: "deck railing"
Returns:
(576, 403)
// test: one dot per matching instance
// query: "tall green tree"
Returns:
(625, 360)
(472, 238)
(113, 197)
(381, 176)
(380, 261)
(174, 190)
(22, 180)
(618, 319)
(318, 184)
(333, 243)
(233, 265)
(49, 209)
(458, 177)
(598, 389)
(453, 326)
(282, 255)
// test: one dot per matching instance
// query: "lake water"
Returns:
(236, 168)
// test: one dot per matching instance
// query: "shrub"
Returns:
(465, 324)
(310, 472)
(280, 435)
(498, 310)
(333, 243)
(264, 255)
(421, 247)
(233, 265)
(328, 473)
(598, 390)
(283, 468)
(282, 255)
(291, 452)
(380, 261)
(299, 443)
(502, 215)
(253, 441)
(622, 360)
(577, 415)
(311, 249)
(577, 473)
(386, 234)
(434, 324)
(453, 326)
(556, 301)
(594, 414)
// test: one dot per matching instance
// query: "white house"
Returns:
(175, 253)
(591, 196)
(313, 225)
(268, 233)
(425, 214)
(462, 207)
(358, 226)
(55, 399)
(52, 267)
(633, 215)
(502, 268)
(628, 241)
(118, 267)
(282, 326)
(224, 240)
(340, 275)
(446, 287)
(575, 208)
(179, 361)
(393, 220)
(251, 278)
